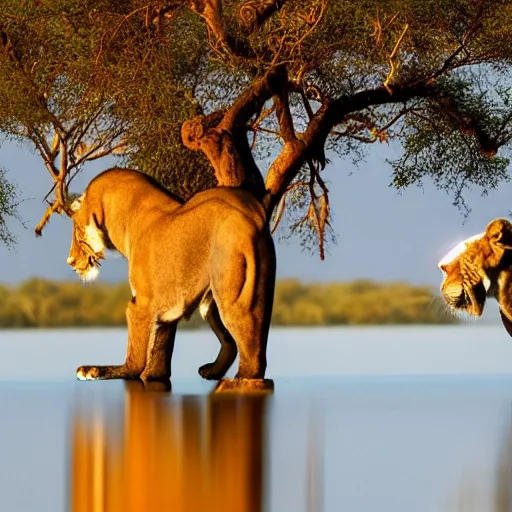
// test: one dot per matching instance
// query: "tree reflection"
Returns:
(185, 453)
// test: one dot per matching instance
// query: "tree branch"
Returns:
(94, 154)
(45, 154)
(223, 136)
(284, 116)
(254, 13)
(392, 60)
(469, 125)
(60, 204)
(330, 114)
(255, 96)
(211, 12)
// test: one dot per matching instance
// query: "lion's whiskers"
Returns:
(443, 308)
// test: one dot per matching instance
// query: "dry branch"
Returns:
(60, 204)
(392, 58)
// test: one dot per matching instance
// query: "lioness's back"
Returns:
(124, 182)
(229, 198)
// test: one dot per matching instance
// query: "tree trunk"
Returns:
(228, 152)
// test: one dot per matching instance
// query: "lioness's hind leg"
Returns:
(228, 351)
(247, 317)
(251, 338)
(139, 325)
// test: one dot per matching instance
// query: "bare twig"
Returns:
(93, 152)
(392, 61)
(313, 23)
(46, 156)
(255, 125)
(262, 116)
(267, 130)
(306, 103)
(365, 123)
(284, 116)
(60, 204)
(320, 215)
(211, 12)
(377, 27)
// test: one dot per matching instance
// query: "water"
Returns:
(389, 419)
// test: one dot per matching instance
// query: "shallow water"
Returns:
(389, 419)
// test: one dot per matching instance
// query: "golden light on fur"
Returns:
(214, 252)
(94, 239)
(458, 250)
(85, 252)
(478, 268)
(87, 245)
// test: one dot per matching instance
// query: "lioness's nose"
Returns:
(70, 260)
(442, 266)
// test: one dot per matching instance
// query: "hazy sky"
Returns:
(380, 234)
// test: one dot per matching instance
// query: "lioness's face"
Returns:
(473, 270)
(87, 242)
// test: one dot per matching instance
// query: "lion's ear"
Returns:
(499, 233)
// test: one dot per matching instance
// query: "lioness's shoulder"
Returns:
(119, 173)
(119, 178)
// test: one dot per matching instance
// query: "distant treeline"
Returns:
(42, 303)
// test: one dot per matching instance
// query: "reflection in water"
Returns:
(184, 453)
(503, 486)
(503, 494)
(497, 497)
(314, 466)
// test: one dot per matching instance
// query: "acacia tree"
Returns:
(256, 93)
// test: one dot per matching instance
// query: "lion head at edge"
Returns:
(478, 268)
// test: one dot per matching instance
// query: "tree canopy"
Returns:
(260, 93)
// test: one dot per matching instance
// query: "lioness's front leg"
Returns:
(159, 352)
(139, 326)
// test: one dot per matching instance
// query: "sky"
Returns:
(381, 234)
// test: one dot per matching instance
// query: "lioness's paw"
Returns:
(87, 373)
(247, 386)
(209, 372)
(149, 376)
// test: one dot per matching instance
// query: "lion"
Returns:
(214, 252)
(478, 268)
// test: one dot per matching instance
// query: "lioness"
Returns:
(214, 251)
(481, 267)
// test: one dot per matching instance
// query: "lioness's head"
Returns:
(88, 241)
(480, 267)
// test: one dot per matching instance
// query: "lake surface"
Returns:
(413, 419)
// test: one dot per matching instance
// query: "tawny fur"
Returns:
(216, 249)
(478, 268)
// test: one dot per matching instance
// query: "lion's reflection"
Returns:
(183, 453)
